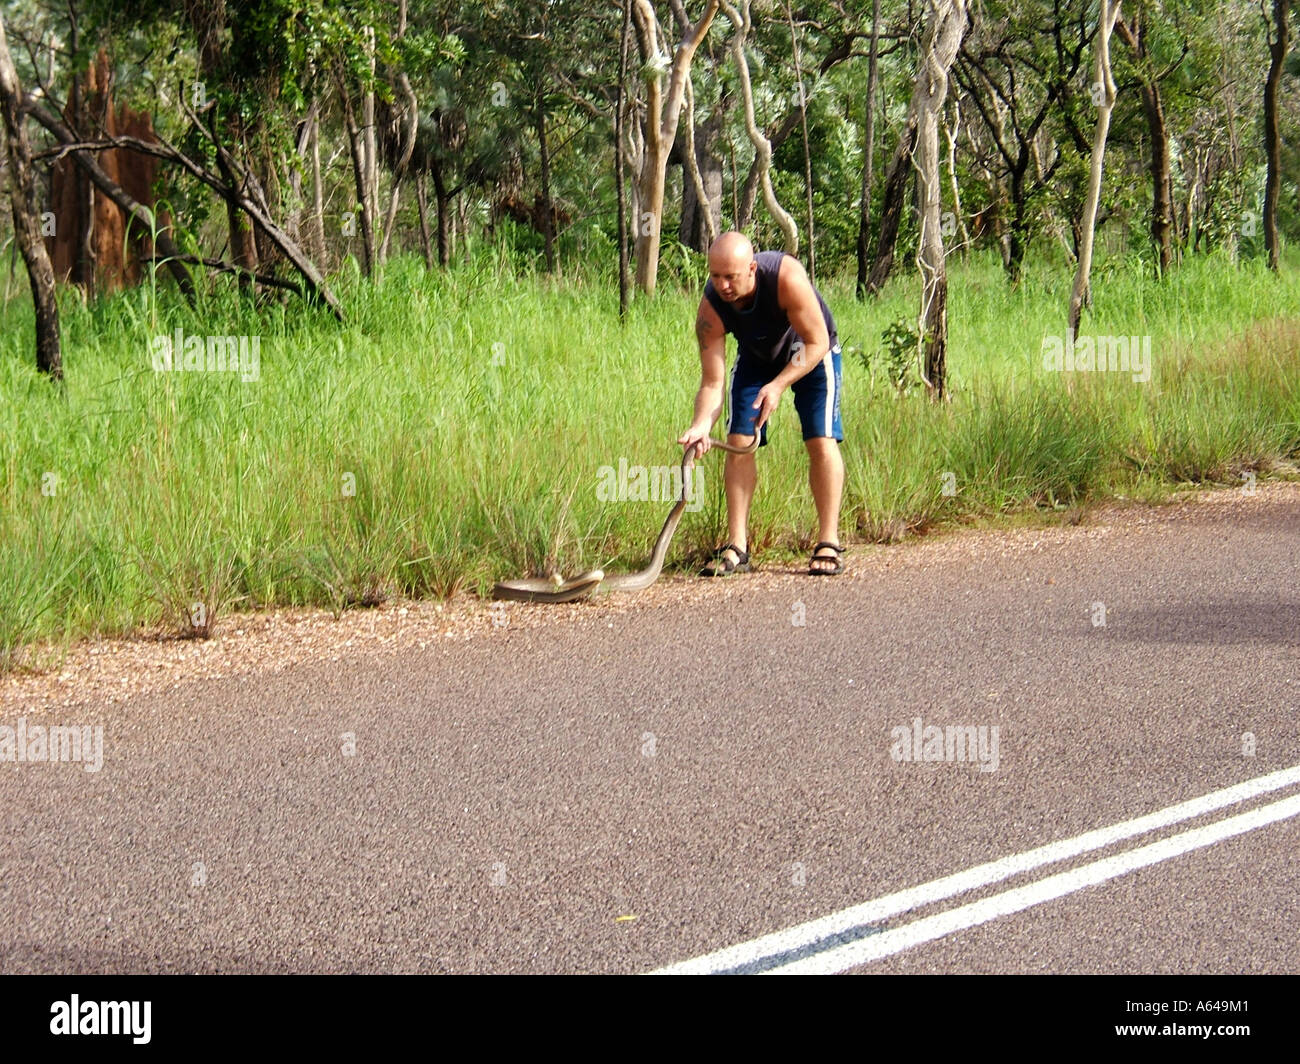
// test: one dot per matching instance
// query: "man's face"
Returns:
(734, 281)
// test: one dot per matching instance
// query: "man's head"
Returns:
(732, 268)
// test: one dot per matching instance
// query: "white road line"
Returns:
(803, 936)
(841, 958)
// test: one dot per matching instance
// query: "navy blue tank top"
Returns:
(763, 331)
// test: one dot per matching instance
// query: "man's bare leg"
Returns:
(740, 476)
(826, 478)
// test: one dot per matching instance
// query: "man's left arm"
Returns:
(796, 296)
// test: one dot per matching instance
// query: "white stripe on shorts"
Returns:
(731, 383)
(828, 427)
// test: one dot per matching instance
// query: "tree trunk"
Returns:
(1162, 190)
(442, 204)
(208, 20)
(807, 156)
(83, 263)
(749, 194)
(266, 189)
(302, 144)
(701, 187)
(748, 197)
(1162, 185)
(869, 146)
(399, 171)
(422, 205)
(943, 37)
(317, 198)
(27, 217)
(662, 114)
(1080, 293)
(762, 146)
(361, 177)
(1017, 231)
(634, 154)
(891, 209)
(408, 143)
(1277, 47)
(1191, 234)
(951, 133)
(548, 215)
(620, 191)
(370, 153)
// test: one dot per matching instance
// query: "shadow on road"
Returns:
(1213, 622)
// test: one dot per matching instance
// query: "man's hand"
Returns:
(697, 436)
(767, 400)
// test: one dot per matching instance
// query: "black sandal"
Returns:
(839, 562)
(721, 565)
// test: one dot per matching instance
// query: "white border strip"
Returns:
(853, 954)
(804, 935)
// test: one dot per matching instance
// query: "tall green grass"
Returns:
(470, 410)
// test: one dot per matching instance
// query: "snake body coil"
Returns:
(586, 584)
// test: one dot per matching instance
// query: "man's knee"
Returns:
(739, 464)
(822, 444)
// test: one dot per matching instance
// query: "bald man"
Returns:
(786, 338)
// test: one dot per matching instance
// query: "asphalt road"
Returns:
(626, 790)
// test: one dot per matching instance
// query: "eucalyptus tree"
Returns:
(1103, 88)
(1020, 68)
(658, 124)
(1150, 34)
(27, 214)
(946, 25)
(1279, 37)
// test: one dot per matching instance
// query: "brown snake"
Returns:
(541, 589)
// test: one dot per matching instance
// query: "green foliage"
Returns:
(683, 266)
(894, 361)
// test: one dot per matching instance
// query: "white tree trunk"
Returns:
(369, 153)
(408, 148)
(951, 132)
(693, 165)
(947, 26)
(762, 146)
(1104, 96)
(317, 240)
(661, 118)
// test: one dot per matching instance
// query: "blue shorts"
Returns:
(816, 396)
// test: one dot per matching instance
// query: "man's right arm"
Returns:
(711, 335)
